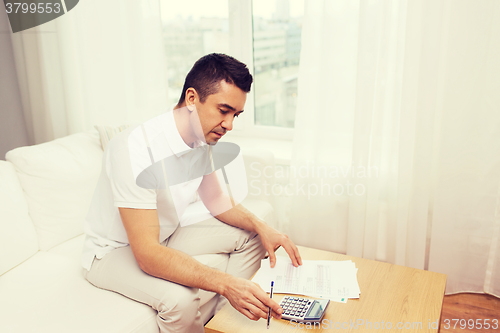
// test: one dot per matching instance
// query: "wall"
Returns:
(12, 126)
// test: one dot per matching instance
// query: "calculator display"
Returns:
(315, 310)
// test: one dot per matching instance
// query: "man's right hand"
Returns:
(248, 298)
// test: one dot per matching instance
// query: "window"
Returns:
(277, 27)
(265, 34)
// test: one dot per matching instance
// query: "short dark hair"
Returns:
(209, 70)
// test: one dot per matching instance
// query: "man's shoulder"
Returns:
(131, 148)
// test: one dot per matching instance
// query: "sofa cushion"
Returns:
(48, 293)
(58, 179)
(71, 249)
(106, 133)
(18, 239)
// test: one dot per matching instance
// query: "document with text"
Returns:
(335, 280)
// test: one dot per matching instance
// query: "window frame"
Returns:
(241, 47)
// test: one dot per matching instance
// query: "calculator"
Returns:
(303, 309)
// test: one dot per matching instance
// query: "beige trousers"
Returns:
(178, 305)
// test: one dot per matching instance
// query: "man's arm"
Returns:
(219, 204)
(143, 230)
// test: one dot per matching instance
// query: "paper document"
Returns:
(335, 280)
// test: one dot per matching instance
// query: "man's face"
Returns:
(219, 110)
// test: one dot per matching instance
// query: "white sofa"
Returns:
(45, 191)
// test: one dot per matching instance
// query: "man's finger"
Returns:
(256, 302)
(291, 254)
(258, 311)
(272, 258)
(249, 314)
(297, 254)
(262, 300)
(270, 303)
(275, 315)
(267, 302)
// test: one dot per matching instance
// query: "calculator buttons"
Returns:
(296, 308)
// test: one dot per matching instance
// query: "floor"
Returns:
(471, 310)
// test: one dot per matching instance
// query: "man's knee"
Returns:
(180, 307)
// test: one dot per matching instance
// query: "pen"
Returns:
(269, 315)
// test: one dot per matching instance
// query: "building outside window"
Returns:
(276, 46)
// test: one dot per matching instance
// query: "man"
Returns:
(134, 244)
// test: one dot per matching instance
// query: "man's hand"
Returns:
(248, 298)
(272, 239)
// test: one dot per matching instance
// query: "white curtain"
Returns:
(396, 154)
(102, 63)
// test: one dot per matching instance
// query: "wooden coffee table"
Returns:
(392, 297)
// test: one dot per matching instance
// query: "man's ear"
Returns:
(190, 98)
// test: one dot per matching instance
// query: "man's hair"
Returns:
(209, 70)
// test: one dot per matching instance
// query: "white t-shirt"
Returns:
(127, 156)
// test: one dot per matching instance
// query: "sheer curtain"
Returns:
(396, 154)
(101, 63)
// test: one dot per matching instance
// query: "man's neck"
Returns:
(182, 122)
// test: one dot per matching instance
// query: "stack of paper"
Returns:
(335, 280)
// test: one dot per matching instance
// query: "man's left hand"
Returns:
(272, 239)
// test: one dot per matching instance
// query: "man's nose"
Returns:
(227, 123)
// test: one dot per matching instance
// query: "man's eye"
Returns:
(222, 111)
